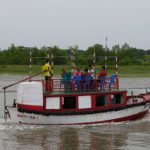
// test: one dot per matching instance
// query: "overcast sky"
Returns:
(74, 22)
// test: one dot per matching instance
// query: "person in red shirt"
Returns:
(102, 78)
(103, 72)
(77, 71)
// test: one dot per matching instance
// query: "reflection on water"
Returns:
(120, 136)
(130, 135)
(68, 139)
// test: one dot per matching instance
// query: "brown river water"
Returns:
(133, 135)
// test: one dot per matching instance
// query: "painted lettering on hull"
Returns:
(25, 116)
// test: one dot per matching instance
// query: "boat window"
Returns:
(69, 102)
(101, 100)
(84, 102)
(117, 98)
(52, 103)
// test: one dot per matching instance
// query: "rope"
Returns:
(28, 78)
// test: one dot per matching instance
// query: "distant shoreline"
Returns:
(123, 71)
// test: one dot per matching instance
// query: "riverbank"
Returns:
(123, 71)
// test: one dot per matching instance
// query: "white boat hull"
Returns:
(131, 113)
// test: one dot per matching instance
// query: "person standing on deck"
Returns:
(91, 70)
(102, 77)
(103, 72)
(77, 71)
(46, 68)
(66, 79)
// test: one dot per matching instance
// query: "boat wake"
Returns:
(8, 125)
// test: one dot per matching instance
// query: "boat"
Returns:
(74, 102)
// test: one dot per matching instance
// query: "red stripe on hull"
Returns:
(30, 107)
(128, 118)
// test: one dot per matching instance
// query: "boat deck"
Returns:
(58, 86)
(78, 92)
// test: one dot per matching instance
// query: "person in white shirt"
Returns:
(91, 71)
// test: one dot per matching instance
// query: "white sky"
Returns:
(74, 22)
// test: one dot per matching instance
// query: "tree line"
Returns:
(20, 55)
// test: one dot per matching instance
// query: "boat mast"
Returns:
(116, 51)
(52, 63)
(73, 58)
(30, 67)
(106, 52)
(94, 58)
(94, 62)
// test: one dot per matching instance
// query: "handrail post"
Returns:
(117, 83)
(5, 104)
(146, 90)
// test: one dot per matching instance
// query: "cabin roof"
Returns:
(61, 93)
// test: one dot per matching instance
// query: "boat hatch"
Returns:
(117, 98)
(69, 102)
(101, 100)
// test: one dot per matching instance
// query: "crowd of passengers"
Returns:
(82, 80)
(89, 71)
(88, 74)
(77, 77)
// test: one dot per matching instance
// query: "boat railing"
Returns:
(60, 85)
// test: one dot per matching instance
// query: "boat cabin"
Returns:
(77, 99)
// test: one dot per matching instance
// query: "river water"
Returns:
(133, 135)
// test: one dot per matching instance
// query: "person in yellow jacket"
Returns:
(46, 68)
